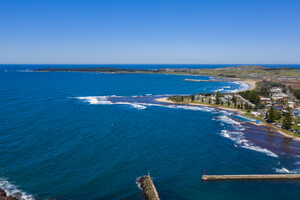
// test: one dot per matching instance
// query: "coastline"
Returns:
(165, 100)
(250, 82)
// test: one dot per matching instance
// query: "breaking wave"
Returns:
(227, 120)
(223, 89)
(103, 100)
(242, 87)
(285, 171)
(95, 99)
(239, 139)
(12, 190)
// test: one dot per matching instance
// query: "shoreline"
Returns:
(252, 83)
(165, 100)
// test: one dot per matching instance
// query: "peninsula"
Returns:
(285, 75)
(269, 103)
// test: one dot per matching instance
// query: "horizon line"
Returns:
(146, 64)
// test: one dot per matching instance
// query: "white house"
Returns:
(255, 113)
(275, 90)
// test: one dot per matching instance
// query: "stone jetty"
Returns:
(251, 177)
(148, 188)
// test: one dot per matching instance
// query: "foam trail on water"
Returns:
(185, 107)
(134, 105)
(12, 190)
(95, 99)
(227, 120)
(238, 138)
(103, 100)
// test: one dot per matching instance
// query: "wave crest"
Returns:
(12, 190)
(238, 138)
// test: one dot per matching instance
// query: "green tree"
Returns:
(277, 115)
(209, 101)
(218, 97)
(192, 97)
(257, 100)
(234, 99)
(288, 119)
(271, 114)
(228, 102)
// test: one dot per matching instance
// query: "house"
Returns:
(278, 108)
(255, 113)
(276, 90)
(280, 96)
(296, 113)
(262, 112)
(264, 98)
(291, 104)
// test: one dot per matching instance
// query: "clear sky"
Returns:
(149, 31)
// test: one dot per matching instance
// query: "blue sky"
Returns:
(149, 31)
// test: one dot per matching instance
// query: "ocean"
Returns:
(66, 135)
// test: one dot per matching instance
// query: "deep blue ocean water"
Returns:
(91, 135)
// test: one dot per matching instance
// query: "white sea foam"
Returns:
(196, 108)
(95, 99)
(227, 120)
(12, 190)
(222, 89)
(103, 100)
(219, 90)
(185, 107)
(137, 183)
(238, 138)
(225, 112)
(284, 171)
(134, 105)
(242, 87)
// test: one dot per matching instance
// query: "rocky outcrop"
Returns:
(3, 196)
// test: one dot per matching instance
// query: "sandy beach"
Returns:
(252, 83)
(165, 100)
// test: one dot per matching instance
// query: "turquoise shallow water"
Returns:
(89, 136)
